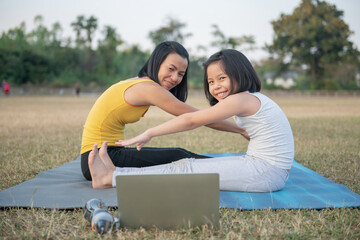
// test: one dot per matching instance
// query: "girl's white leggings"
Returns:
(237, 173)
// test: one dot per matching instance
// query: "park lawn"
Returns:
(39, 133)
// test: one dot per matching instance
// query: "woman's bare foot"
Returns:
(104, 156)
(100, 174)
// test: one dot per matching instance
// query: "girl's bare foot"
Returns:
(101, 176)
(104, 156)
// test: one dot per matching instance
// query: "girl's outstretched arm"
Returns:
(226, 108)
(158, 96)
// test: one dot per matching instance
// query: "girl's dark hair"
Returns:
(152, 66)
(239, 69)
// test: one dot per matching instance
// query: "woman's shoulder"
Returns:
(137, 80)
(144, 82)
(144, 86)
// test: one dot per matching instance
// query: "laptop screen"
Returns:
(168, 201)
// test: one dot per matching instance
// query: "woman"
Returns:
(161, 82)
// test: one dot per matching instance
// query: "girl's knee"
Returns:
(180, 166)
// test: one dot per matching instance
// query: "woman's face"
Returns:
(219, 82)
(172, 71)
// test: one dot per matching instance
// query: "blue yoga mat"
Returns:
(305, 189)
(65, 188)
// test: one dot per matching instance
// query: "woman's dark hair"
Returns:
(240, 71)
(152, 66)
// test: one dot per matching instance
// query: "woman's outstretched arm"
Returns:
(149, 93)
(188, 121)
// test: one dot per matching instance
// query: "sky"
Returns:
(134, 19)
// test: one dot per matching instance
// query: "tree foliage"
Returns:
(243, 43)
(171, 31)
(42, 56)
(107, 50)
(314, 35)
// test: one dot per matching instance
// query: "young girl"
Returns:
(161, 82)
(232, 88)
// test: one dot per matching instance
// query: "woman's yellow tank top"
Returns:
(107, 118)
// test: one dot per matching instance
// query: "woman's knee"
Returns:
(187, 154)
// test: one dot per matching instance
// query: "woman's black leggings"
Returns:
(131, 157)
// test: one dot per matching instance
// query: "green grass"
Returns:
(39, 133)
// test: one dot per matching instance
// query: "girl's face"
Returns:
(172, 71)
(219, 82)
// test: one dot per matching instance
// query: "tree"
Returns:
(87, 26)
(90, 27)
(107, 49)
(55, 35)
(24, 66)
(15, 39)
(129, 61)
(78, 27)
(39, 37)
(222, 42)
(313, 35)
(171, 31)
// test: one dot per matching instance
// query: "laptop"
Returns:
(168, 201)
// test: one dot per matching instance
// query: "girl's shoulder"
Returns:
(246, 103)
(246, 95)
(255, 95)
